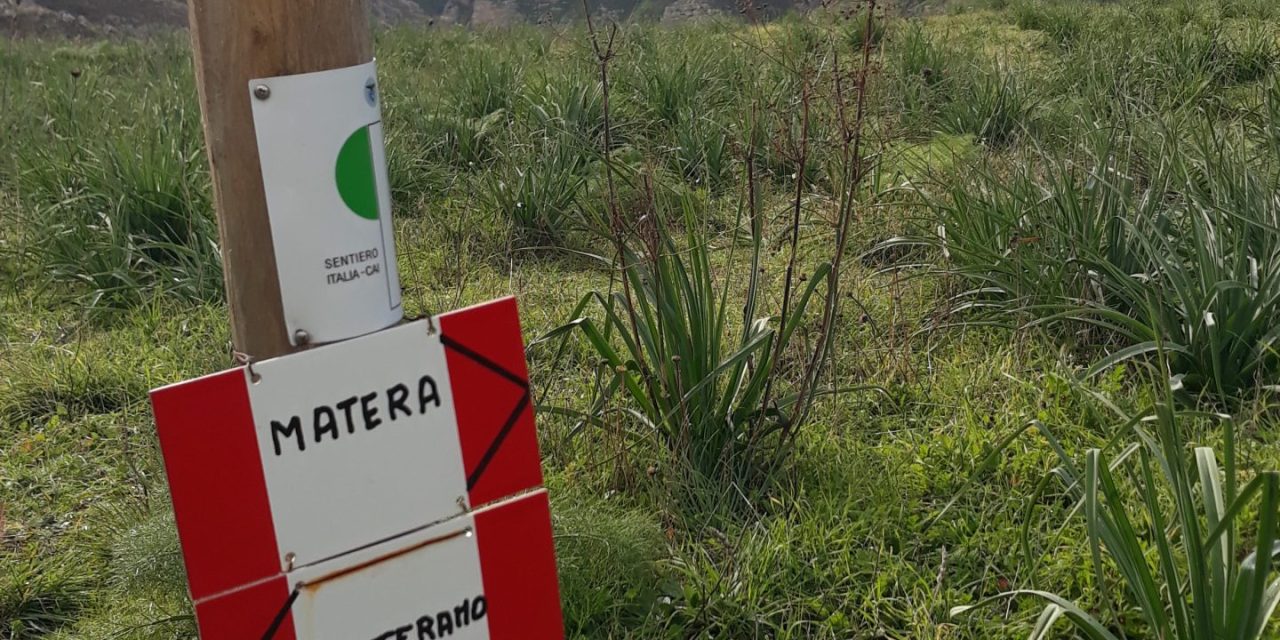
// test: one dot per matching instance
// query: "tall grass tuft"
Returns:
(696, 371)
(487, 84)
(38, 595)
(114, 221)
(1064, 23)
(1168, 240)
(1171, 523)
(994, 105)
(925, 76)
(693, 355)
(539, 193)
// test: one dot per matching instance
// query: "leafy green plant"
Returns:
(673, 84)
(463, 142)
(113, 222)
(1174, 245)
(696, 380)
(1063, 23)
(994, 105)
(1249, 54)
(1212, 290)
(486, 84)
(854, 31)
(724, 398)
(571, 104)
(539, 192)
(607, 559)
(38, 595)
(925, 75)
(703, 152)
(1171, 523)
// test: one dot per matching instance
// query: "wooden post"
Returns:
(236, 41)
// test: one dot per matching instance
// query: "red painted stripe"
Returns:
(483, 400)
(246, 614)
(518, 566)
(216, 482)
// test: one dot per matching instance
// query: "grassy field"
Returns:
(1050, 363)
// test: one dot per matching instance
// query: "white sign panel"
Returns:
(431, 587)
(324, 169)
(331, 438)
(382, 488)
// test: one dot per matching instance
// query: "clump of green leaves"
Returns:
(1171, 241)
(115, 221)
(1065, 24)
(607, 556)
(1172, 524)
(539, 195)
(698, 374)
(994, 105)
(38, 594)
(925, 76)
(487, 84)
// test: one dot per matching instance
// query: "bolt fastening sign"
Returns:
(385, 487)
(324, 172)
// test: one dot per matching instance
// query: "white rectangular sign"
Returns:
(340, 425)
(324, 170)
(387, 487)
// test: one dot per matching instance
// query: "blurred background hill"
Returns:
(88, 18)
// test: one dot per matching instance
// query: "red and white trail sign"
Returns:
(383, 488)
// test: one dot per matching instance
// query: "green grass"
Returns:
(1053, 189)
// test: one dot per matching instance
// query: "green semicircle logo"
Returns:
(357, 182)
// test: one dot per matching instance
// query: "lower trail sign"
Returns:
(383, 488)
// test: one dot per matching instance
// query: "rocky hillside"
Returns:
(87, 18)
(99, 17)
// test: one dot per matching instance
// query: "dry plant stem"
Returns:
(802, 160)
(617, 225)
(857, 171)
(757, 222)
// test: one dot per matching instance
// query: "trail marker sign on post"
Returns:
(324, 170)
(383, 488)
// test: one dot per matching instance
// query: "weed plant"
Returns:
(1171, 244)
(117, 220)
(1171, 523)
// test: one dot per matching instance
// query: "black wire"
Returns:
(497, 441)
(510, 424)
(483, 361)
(282, 614)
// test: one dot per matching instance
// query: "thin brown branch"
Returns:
(855, 172)
(802, 160)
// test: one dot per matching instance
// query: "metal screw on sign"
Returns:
(262, 92)
(289, 559)
(301, 337)
(462, 502)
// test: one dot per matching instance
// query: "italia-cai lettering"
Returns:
(351, 259)
(440, 624)
(347, 416)
(352, 266)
